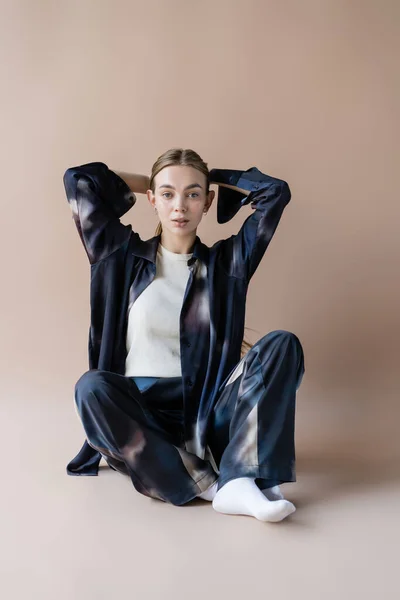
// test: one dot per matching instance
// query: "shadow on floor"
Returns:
(328, 476)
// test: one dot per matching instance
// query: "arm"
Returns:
(98, 197)
(268, 197)
(139, 184)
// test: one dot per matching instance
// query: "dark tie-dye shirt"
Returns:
(213, 310)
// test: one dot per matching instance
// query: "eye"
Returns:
(191, 194)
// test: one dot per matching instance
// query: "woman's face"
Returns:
(180, 194)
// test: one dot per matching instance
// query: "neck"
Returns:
(178, 244)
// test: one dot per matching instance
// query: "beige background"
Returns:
(307, 92)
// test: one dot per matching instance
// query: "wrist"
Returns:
(226, 177)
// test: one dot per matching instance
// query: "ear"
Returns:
(151, 198)
(210, 198)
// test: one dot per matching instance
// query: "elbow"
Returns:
(286, 193)
(70, 175)
(67, 175)
(69, 181)
(96, 172)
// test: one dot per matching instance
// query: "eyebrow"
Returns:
(188, 187)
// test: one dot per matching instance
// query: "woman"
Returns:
(174, 397)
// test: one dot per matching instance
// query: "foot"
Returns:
(209, 494)
(241, 496)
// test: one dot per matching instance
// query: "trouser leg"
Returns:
(141, 433)
(252, 430)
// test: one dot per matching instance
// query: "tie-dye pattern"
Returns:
(139, 430)
(213, 310)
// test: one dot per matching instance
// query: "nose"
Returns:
(180, 205)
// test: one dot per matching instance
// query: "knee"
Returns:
(89, 382)
(289, 336)
(284, 343)
(281, 337)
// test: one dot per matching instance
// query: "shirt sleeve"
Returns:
(98, 197)
(268, 197)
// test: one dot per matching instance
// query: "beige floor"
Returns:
(73, 538)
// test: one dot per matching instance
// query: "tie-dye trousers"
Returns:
(136, 423)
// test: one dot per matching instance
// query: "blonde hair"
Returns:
(189, 158)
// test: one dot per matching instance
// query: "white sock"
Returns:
(209, 494)
(241, 496)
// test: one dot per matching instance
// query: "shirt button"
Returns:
(189, 382)
(188, 344)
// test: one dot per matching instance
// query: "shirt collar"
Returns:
(148, 249)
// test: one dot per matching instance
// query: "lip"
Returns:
(180, 221)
